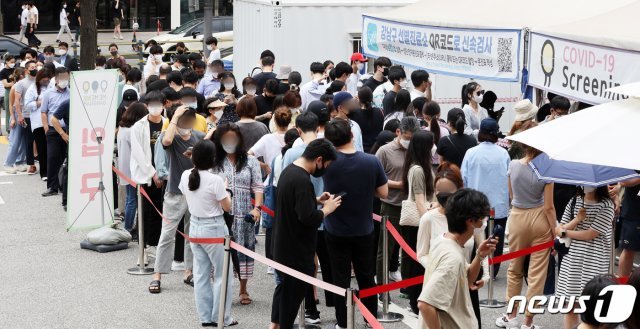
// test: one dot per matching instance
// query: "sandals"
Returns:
(189, 280)
(154, 287)
(244, 299)
(215, 324)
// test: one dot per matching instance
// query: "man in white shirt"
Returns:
(357, 64)
(24, 20)
(311, 90)
(154, 61)
(421, 85)
(34, 18)
(212, 43)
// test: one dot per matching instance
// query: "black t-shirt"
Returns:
(117, 12)
(631, 204)
(371, 123)
(373, 83)
(359, 175)
(264, 104)
(295, 229)
(73, 17)
(543, 112)
(261, 79)
(389, 102)
(155, 129)
(452, 148)
(5, 74)
(562, 194)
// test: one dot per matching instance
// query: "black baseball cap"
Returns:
(321, 110)
(129, 96)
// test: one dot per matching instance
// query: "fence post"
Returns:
(386, 316)
(351, 310)
(490, 302)
(225, 280)
(142, 268)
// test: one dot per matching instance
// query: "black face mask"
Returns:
(33, 73)
(200, 76)
(442, 198)
(181, 51)
(385, 72)
(114, 53)
(319, 172)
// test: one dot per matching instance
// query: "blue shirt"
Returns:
(208, 85)
(51, 100)
(485, 169)
(359, 175)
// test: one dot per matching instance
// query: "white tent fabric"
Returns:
(587, 136)
(500, 14)
(617, 28)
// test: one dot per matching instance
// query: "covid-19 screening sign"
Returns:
(580, 71)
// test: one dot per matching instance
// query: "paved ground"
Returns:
(49, 282)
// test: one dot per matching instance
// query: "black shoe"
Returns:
(50, 192)
(209, 324)
(312, 318)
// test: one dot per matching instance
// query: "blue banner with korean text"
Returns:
(472, 53)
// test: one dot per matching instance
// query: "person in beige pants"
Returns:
(531, 222)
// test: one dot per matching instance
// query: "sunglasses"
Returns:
(480, 92)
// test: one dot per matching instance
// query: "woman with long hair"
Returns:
(242, 173)
(452, 148)
(433, 226)
(472, 96)
(400, 106)
(32, 101)
(369, 118)
(207, 197)
(431, 115)
(532, 221)
(133, 114)
(588, 222)
(417, 181)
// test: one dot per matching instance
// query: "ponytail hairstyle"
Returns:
(202, 157)
(336, 86)
(289, 138)
(432, 109)
(467, 90)
(456, 119)
(365, 95)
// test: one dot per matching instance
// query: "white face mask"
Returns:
(63, 84)
(403, 84)
(183, 131)
(481, 229)
(155, 110)
(229, 148)
(11, 65)
(214, 74)
(588, 189)
(218, 114)
(62, 52)
(360, 66)
(158, 58)
(478, 99)
(229, 86)
(405, 143)
(192, 105)
(251, 91)
(64, 6)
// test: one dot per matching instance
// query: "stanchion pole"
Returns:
(301, 323)
(225, 280)
(142, 268)
(351, 310)
(490, 302)
(386, 316)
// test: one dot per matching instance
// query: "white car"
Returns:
(191, 34)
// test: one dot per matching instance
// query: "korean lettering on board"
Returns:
(91, 149)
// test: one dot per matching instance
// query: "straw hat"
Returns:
(525, 110)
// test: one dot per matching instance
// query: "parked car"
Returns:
(11, 46)
(191, 33)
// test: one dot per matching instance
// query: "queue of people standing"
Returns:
(325, 155)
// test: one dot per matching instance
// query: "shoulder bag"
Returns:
(409, 215)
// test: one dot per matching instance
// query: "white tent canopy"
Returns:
(501, 14)
(616, 28)
(586, 136)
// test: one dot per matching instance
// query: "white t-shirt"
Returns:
(24, 18)
(33, 12)
(63, 17)
(213, 56)
(268, 147)
(205, 201)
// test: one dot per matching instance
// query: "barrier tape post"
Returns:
(142, 268)
(225, 279)
(301, 323)
(351, 310)
(490, 302)
(386, 316)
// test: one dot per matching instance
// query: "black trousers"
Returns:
(178, 256)
(56, 152)
(287, 297)
(41, 144)
(325, 261)
(29, 141)
(31, 36)
(268, 237)
(345, 251)
(475, 302)
(500, 245)
(411, 268)
(152, 220)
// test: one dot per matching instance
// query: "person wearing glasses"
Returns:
(472, 95)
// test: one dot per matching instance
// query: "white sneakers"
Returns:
(505, 322)
(271, 271)
(395, 276)
(10, 170)
(177, 266)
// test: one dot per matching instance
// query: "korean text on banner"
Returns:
(93, 114)
(580, 71)
(481, 54)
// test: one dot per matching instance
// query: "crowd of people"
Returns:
(213, 151)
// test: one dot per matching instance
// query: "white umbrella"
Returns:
(606, 135)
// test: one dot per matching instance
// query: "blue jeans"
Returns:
(206, 257)
(130, 206)
(17, 153)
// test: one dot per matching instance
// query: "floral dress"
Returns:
(243, 184)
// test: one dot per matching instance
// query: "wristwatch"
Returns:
(563, 233)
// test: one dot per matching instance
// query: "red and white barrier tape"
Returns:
(398, 237)
(521, 253)
(367, 315)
